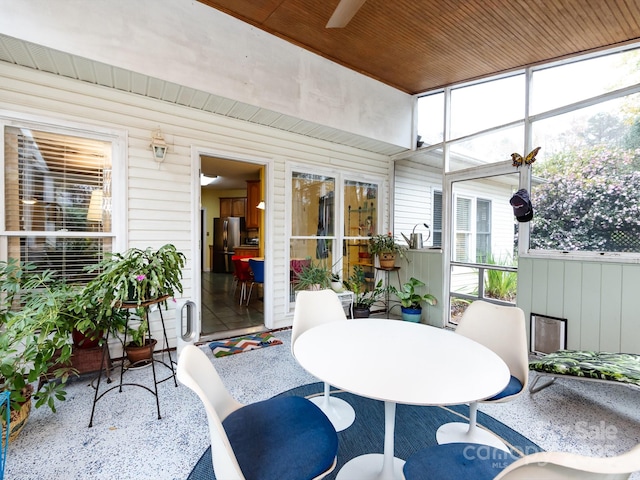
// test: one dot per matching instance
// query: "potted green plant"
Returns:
(364, 297)
(34, 341)
(313, 276)
(411, 301)
(132, 280)
(336, 282)
(386, 248)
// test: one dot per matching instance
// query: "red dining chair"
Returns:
(242, 271)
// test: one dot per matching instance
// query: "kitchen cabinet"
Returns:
(246, 251)
(253, 198)
(233, 207)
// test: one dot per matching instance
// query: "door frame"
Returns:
(196, 228)
(448, 238)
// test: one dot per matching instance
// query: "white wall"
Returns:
(160, 195)
(186, 42)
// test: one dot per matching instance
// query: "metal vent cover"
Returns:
(548, 334)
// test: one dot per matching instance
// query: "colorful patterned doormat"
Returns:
(222, 348)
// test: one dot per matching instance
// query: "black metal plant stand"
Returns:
(165, 346)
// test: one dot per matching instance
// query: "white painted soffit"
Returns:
(38, 57)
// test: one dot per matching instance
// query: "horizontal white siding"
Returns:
(159, 195)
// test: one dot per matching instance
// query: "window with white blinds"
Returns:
(437, 218)
(57, 211)
(463, 230)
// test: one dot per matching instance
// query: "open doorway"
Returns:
(232, 228)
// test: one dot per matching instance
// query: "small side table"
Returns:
(385, 272)
(154, 389)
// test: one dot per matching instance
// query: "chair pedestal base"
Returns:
(340, 413)
(457, 432)
(370, 467)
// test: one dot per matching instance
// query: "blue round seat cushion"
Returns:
(283, 438)
(514, 386)
(457, 461)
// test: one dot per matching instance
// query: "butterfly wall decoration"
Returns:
(528, 160)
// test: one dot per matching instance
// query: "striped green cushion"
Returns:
(618, 367)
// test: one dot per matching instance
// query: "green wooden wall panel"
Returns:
(539, 291)
(555, 283)
(598, 299)
(590, 318)
(523, 298)
(427, 267)
(572, 302)
(629, 310)
(610, 307)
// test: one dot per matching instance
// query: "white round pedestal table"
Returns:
(398, 362)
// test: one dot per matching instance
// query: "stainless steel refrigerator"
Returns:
(226, 236)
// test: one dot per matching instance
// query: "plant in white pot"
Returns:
(411, 301)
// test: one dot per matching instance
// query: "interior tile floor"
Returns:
(222, 313)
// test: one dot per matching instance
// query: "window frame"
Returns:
(528, 121)
(117, 139)
(338, 238)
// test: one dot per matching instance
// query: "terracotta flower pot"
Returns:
(387, 260)
(18, 418)
(86, 340)
(139, 356)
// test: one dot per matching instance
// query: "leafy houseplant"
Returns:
(410, 300)
(131, 279)
(364, 297)
(386, 248)
(34, 339)
(314, 276)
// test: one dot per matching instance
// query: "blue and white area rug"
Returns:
(415, 429)
(222, 348)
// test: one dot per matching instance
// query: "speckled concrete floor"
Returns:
(128, 442)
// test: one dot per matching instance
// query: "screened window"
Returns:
(484, 105)
(585, 181)
(586, 186)
(57, 211)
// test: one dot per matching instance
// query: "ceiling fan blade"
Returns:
(344, 12)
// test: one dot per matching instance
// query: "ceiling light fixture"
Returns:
(204, 180)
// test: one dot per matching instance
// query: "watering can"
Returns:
(415, 239)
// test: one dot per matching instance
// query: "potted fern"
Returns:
(411, 301)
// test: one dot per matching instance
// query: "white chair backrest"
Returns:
(563, 466)
(313, 308)
(502, 329)
(196, 372)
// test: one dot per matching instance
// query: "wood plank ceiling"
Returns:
(419, 45)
